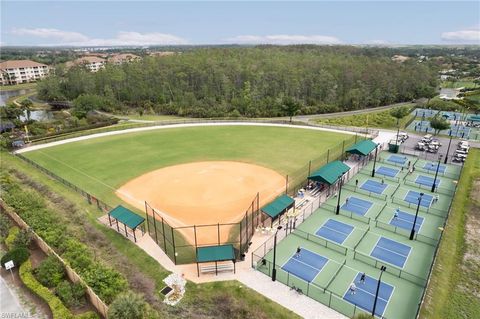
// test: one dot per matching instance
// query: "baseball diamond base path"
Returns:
(203, 193)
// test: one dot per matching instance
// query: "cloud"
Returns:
(377, 42)
(469, 35)
(130, 38)
(284, 39)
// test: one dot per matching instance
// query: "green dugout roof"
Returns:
(126, 216)
(362, 148)
(279, 205)
(215, 253)
(329, 173)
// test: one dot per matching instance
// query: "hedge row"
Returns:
(56, 306)
(106, 282)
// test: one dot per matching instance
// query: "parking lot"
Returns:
(409, 147)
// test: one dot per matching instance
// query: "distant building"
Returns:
(121, 58)
(400, 58)
(21, 71)
(93, 63)
(162, 53)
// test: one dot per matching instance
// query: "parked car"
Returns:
(403, 136)
(459, 157)
(427, 138)
(421, 146)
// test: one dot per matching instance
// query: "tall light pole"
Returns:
(382, 269)
(374, 161)
(448, 149)
(436, 173)
(274, 270)
(412, 233)
(339, 193)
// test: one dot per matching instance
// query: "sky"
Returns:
(115, 23)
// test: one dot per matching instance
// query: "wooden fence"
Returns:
(99, 305)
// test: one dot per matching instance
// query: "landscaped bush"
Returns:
(50, 272)
(17, 255)
(128, 306)
(12, 234)
(72, 295)
(105, 281)
(5, 225)
(23, 239)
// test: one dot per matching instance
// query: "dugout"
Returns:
(362, 148)
(215, 254)
(128, 218)
(278, 207)
(330, 173)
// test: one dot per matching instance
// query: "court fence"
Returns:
(402, 231)
(429, 210)
(310, 289)
(438, 189)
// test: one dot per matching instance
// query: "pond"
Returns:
(37, 115)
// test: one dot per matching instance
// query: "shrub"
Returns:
(128, 306)
(5, 225)
(18, 255)
(23, 239)
(72, 295)
(12, 234)
(56, 306)
(50, 272)
(363, 316)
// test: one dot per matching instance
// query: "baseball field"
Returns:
(201, 174)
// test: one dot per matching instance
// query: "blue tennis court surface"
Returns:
(306, 266)
(374, 186)
(364, 296)
(387, 171)
(391, 251)
(405, 220)
(335, 231)
(412, 197)
(433, 167)
(357, 205)
(397, 159)
(426, 180)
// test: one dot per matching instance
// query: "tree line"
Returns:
(252, 82)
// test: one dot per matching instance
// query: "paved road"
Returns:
(9, 305)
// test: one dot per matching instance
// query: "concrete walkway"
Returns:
(9, 304)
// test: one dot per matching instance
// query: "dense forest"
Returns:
(251, 82)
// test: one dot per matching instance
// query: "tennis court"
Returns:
(335, 231)
(413, 196)
(405, 220)
(391, 251)
(427, 181)
(364, 296)
(387, 171)
(397, 159)
(357, 205)
(374, 186)
(433, 167)
(305, 265)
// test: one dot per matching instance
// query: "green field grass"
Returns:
(381, 119)
(459, 84)
(102, 165)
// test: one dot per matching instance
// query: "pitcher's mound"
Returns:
(203, 193)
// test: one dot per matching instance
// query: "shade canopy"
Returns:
(330, 172)
(126, 216)
(278, 206)
(362, 148)
(215, 253)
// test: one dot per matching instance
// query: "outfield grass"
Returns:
(381, 119)
(102, 165)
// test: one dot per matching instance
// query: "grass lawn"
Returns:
(459, 84)
(18, 86)
(210, 300)
(381, 119)
(454, 286)
(102, 165)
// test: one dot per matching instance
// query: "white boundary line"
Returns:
(421, 225)
(372, 180)
(318, 270)
(332, 241)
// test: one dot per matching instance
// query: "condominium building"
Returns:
(123, 58)
(93, 63)
(21, 71)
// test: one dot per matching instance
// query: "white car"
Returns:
(403, 136)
